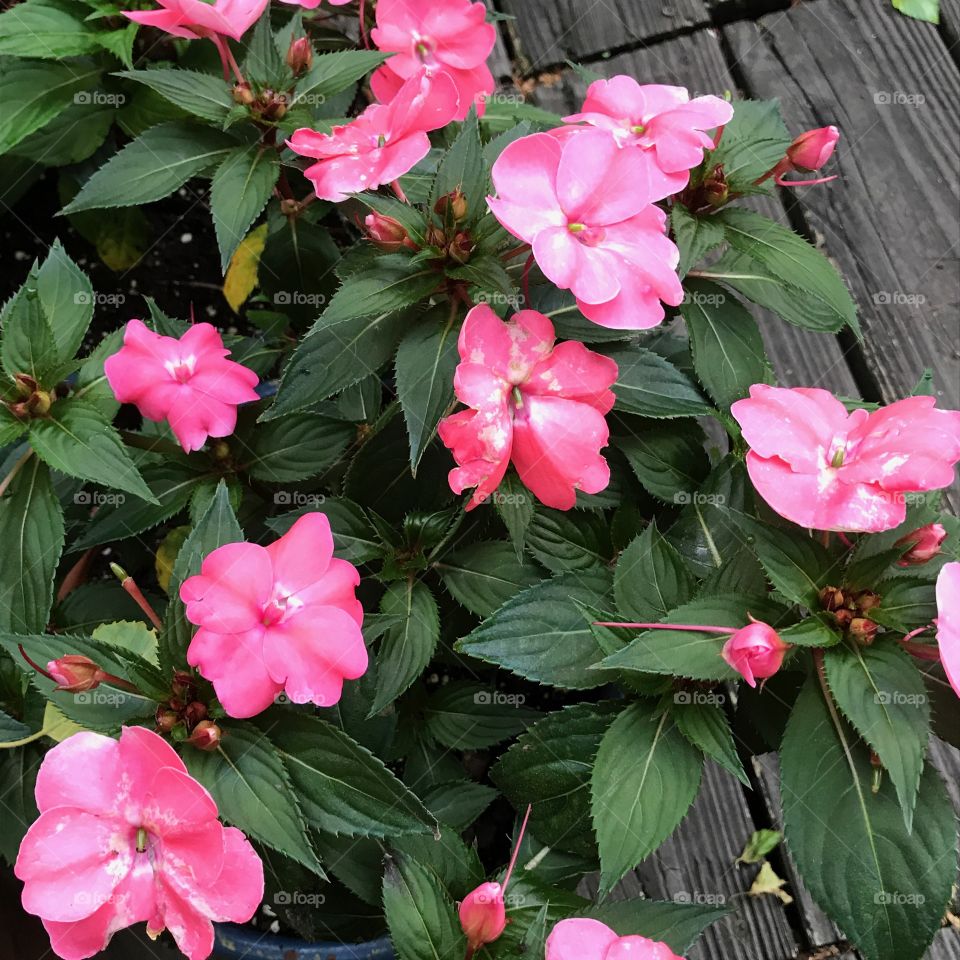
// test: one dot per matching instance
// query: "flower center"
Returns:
(588, 236)
(423, 49)
(281, 606)
(638, 129)
(182, 369)
(142, 839)
(836, 460)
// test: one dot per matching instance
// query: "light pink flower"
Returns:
(659, 119)
(191, 19)
(823, 468)
(125, 835)
(755, 651)
(188, 382)
(584, 206)
(584, 939)
(382, 144)
(281, 617)
(452, 37)
(922, 545)
(948, 622)
(538, 404)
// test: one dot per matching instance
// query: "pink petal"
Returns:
(948, 622)
(177, 804)
(589, 271)
(337, 588)
(579, 939)
(477, 386)
(229, 594)
(640, 948)
(575, 373)
(525, 176)
(97, 790)
(302, 555)
(480, 442)
(425, 102)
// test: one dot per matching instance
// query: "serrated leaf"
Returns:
(333, 72)
(459, 803)
(295, 448)
(753, 142)
(650, 386)
(636, 805)
(240, 189)
(695, 236)
(462, 169)
(651, 578)
(470, 716)
(28, 344)
(201, 94)
(354, 537)
(567, 540)
(669, 459)
(66, 297)
(515, 507)
(706, 726)
(46, 30)
(906, 603)
(11, 729)
(484, 575)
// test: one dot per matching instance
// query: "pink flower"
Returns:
(583, 939)
(125, 835)
(755, 650)
(811, 150)
(382, 144)
(584, 206)
(660, 119)
(188, 382)
(823, 468)
(452, 37)
(948, 622)
(922, 545)
(281, 617)
(538, 404)
(191, 19)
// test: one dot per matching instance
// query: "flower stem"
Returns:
(130, 585)
(697, 628)
(398, 190)
(922, 651)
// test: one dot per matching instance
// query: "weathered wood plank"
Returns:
(551, 31)
(696, 865)
(890, 223)
(800, 357)
(499, 60)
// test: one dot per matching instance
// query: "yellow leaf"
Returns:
(768, 882)
(56, 726)
(241, 278)
(167, 555)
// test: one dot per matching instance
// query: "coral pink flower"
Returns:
(821, 467)
(538, 404)
(660, 119)
(382, 144)
(188, 382)
(281, 617)
(948, 622)
(922, 545)
(583, 939)
(755, 651)
(191, 19)
(125, 835)
(452, 37)
(584, 206)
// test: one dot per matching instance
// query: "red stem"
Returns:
(697, 628)
(781, 182)
(130, 585)
(398, 190)
(526, 279)
(922, 651)
(516, 848)
(40, 670)
(363, 24)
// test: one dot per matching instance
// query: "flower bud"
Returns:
(832, 598)
(922, 545)
(386, 233)
(206, 735)
(453, 205)
(460, 248)
(166, 720)
(194, 712)
(299, 56)
(811, 150)
(242, 94)
(863, 631)
(755, 651)
(866, 600)
(483, 915)
(75, 673)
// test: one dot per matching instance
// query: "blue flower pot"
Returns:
(246, 943)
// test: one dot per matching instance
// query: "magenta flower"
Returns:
(382, 144)
(661, 120)
(188, 382)
(584, 939)
(279, 618)
(452, 37)
(755, 651)
(584, 206)
(191, 19)
(125, 835)
(538, 404)
(948, 622)
(823, 468)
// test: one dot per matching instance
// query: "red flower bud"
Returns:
(454, 204)
(922, 545)
(75, 673)
(483, 915)
(386, 233)
(206, 736)
(863, 631)
(811, 150)
(300, 56)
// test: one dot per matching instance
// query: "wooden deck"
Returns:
(891, 225)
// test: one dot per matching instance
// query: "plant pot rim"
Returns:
(247, 943)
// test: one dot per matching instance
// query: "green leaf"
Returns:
(780, 265)
(11, 729)
(18, 774)
(72, 136)
(263, 63)
(66, 297)
(702, 721)
(637, 805)
(47, 30)
(651, 578)
(886, 888)
(906, 603)
(458, 803)
(79, 441)
(550, 767)
(333, 72)
(515, 508)
(120, 42)
(470, 716)
(695, 236)
(882, 694)
(31, 531)
(541, 634)
(343, 788)
(752, 143)
(688, 653)
(28, 346)
(650, 386)
(247, 778)
(354, 537)
(202, 94)
(928, 10)
(153, 166)
(568, 540)
(669, 459)
(485, 575)
(240, 190)
(462, 168)
(421, 916)
(406, 648)
(678, 925)
(427, 359)
(296, 447)
(725, 340)
(810, 632)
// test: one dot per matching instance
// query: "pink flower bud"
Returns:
(206, 736)
(483, 915)
(811, 150)
(299, 55)
(922, 545)
(75, 673)
(755, 651)
(386, 233)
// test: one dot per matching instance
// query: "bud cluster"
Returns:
(849, 609)
(185, 718)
